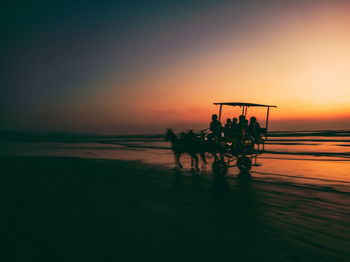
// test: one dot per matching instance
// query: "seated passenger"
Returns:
(234, 122)
(242, 125)
(215, 126)
(228, 128)
(254, 129)
(235, 132)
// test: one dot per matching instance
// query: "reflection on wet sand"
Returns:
(294, 207)
(127, 210)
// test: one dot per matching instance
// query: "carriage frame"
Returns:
(248, 154)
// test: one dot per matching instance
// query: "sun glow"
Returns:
(300, 64)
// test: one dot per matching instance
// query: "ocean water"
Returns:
(315, 158)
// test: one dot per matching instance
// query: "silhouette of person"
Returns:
(242, 125)
(254, 129)
(241, 120)
(246, 124)
(235, 131)
(234, 122)
(215, 126)
(228, 127)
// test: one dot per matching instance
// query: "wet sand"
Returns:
(75, 209)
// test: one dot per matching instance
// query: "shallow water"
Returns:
(317, 160)
(293, 207)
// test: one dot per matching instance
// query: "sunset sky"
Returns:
(142, 66)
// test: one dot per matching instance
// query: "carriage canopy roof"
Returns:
(242, 104)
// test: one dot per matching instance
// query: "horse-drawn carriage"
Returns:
(241, 151)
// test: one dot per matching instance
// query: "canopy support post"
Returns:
(267, 121)
(220, 113)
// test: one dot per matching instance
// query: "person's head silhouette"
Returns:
(228, 120)
(214, 117)
(242, 118)
(234, 120)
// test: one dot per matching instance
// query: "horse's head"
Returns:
(169, 134)
(183, 135)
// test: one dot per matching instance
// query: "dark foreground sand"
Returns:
(71, 209)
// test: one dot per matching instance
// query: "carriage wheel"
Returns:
(220, 167)
(244, 163)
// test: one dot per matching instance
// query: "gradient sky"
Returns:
(141, 66)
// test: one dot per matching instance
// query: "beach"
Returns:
(59, 208)
(175, 131)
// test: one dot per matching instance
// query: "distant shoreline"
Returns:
(57, 135)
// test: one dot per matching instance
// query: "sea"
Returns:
(313, 158)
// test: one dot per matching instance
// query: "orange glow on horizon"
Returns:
(300, 65)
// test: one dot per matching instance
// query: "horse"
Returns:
(188, 143)
(211, 144)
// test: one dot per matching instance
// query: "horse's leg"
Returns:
(175, 159)
(215, 155)
(192, 159)
(202, 154)
(196, 159)
(178, 160)
(212, 149)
